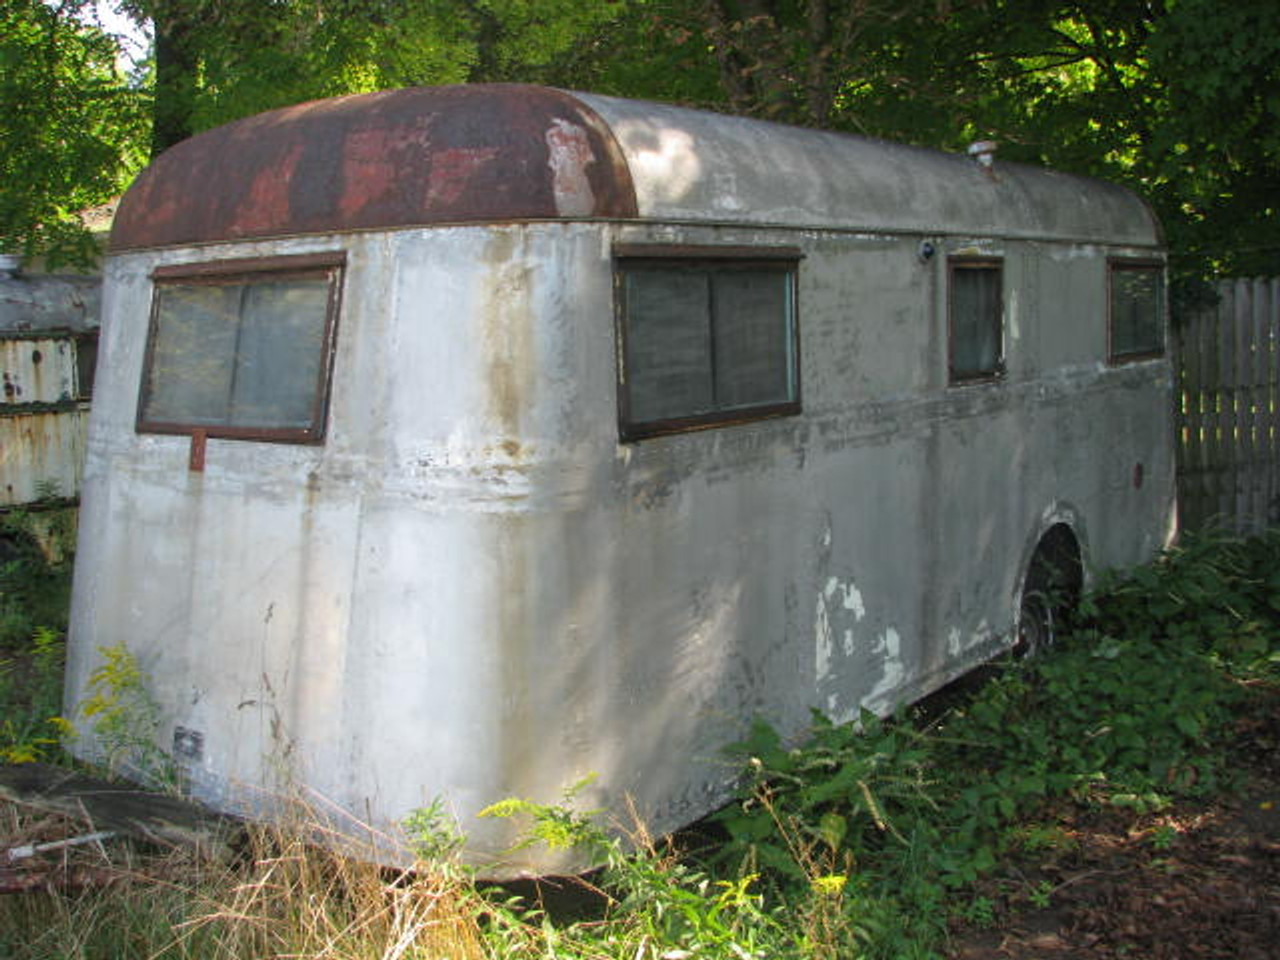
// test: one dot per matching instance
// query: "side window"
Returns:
(975, 319)
(242, 349)
(1135, 327)
(706, 336)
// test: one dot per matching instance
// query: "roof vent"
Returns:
(984, 152)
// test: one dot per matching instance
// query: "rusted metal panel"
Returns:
(37, 370)
(396, 158)
(41, 455)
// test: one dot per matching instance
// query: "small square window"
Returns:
(705, 338)
(976, 320)
(1136, 319)
(242, 349)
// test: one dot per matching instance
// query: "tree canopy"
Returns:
(1179, 99)
(71, 128)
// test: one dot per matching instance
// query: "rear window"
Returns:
(242, 349)
(1136, 327)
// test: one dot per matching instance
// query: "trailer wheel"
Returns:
(1050, 591)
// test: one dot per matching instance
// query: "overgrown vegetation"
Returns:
(35, 591)
(862, 843)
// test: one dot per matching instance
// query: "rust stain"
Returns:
(452, 171)
(265, 207)
(398, 158)
(507, 331)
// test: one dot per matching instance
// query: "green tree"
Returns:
(1179, 99)
(70, 125)
(217, 60)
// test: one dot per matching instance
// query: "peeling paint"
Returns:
(570, 155)
(887, 651)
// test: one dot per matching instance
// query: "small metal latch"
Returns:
(195, 460)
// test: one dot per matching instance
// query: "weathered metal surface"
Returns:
(48, 328)
(692, 165)
(380, 160)
(44, 302)
(37, 370)
(41, 453)
(473, 589)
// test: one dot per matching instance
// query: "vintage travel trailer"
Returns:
(464, 442)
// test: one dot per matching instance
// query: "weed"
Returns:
(556, 826)
(1040, 895)
(981, 912)
(1163, 837)
(434, 835)
(125, 720)
(36, 551)
(32, 728)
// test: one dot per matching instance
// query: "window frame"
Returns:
(773, 259)
(956, 264)
(328, 265)
(1137, 264)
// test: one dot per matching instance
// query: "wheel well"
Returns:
(1051, 588)
(1057, 565)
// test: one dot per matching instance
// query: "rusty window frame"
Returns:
(328, 267)
(1140, 350)
(965, 267)
(630, 259)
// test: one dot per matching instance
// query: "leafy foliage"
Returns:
(218, 60)
(71, 126)
(32, 727)
(1132, 709)
(1175, 99)
(125, 720)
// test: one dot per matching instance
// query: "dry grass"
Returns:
(285, 893)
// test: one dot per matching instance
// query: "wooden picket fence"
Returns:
(1227, 362)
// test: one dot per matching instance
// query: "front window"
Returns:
(707, 336)
(1136, 328)
(242, 349)
(976, 320)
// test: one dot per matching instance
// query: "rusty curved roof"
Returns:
(397, 158)
(505, 152)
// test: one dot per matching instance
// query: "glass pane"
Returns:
(1136, 310)
(975, 321)
(668, 343)
(279, 354)
(244, 354)
(191, 360)
(752, 338)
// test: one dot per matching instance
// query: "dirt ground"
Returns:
(1190, 882)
